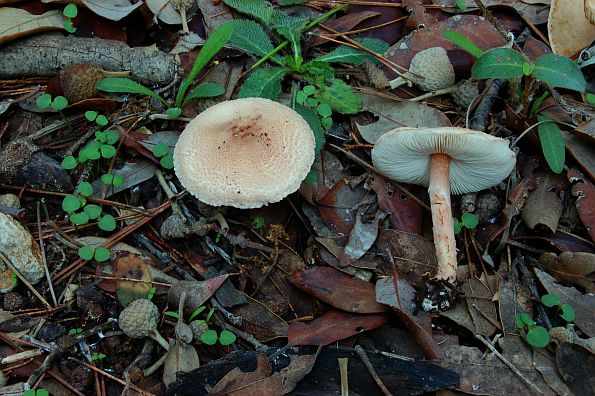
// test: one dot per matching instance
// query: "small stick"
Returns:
(362, 354)
(343, 362)
(509, 364)
(8, 263)
(43, 257)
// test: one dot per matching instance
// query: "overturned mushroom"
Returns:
(445, 159)
(244, 153)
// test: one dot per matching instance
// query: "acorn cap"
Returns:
(244, 153)
(434, 68)
(478, 160)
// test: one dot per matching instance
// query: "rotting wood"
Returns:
(45, 54)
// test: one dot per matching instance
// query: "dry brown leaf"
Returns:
(581, 148)
(582, 303)
(15, 23)
(259, 321)
(181, 357)
(392, 114)
(568, 28)
(261, 382)
(413, 255)
(535, 11)
(481, 307)
(574, 268)
(362, 237)
(544, 205)
(584, 191)
(133, 279)
(485, 374)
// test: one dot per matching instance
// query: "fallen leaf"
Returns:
(478, 297)
(544, 205)
(529, 10)
(404, 213)
(165, 11)
(343, 24)
(362, 237)
(580, 147)
(111, 9)
(584, 191)
(15, 23)
(573, 364)
(197, 293)
(337, 289)
(261, 382)
(259, 321)
(181, 357)
(336, 207)
(328, 170)
(414, 256)
(133, 278)
(476, 28)
(332, 326)
(569, 29)
(485, 374)
(582, 303)
(393, 114)
(134, 173)
(545, 363)
(419, 324)
(577, 269)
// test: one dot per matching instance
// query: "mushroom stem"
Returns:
(160, 340)
(397, 82)
(442, 223)
(184, 22)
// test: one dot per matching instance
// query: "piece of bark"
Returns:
(44, 55)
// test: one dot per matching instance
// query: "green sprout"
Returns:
(70, 12)
(468, 220)
(162, 151)
(98, 356)
(151, 293)
(75, 331)
(38, 392)
(258, 222)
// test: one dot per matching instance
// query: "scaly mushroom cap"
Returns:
(244, 153)
(478, 160)
(433, 65)
(139, 318)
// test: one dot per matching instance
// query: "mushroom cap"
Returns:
(433, 65)
(139, 318)
(478, 160)
(244, 153)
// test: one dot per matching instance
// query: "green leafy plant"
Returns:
(98, 356)
(538, 336)
(151, 293)
(38, 392)
(322, 91)
(162, 151)
(258, 222)
(214, 43)
(210, 336)
(99, 253)
(554, 70)
(70, 12)
(75, 331)
(468, 220)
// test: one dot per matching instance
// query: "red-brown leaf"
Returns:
(584, 191)
(331, 327)
(337, 289)
(405, 214)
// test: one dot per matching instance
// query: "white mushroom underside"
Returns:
(478, 160)
(244, 153)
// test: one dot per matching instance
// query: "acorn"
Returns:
(78, 80)
(430, 70)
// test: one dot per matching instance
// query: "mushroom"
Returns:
(444, 159)
(139, 319)
(244, 153)
(430, 70)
